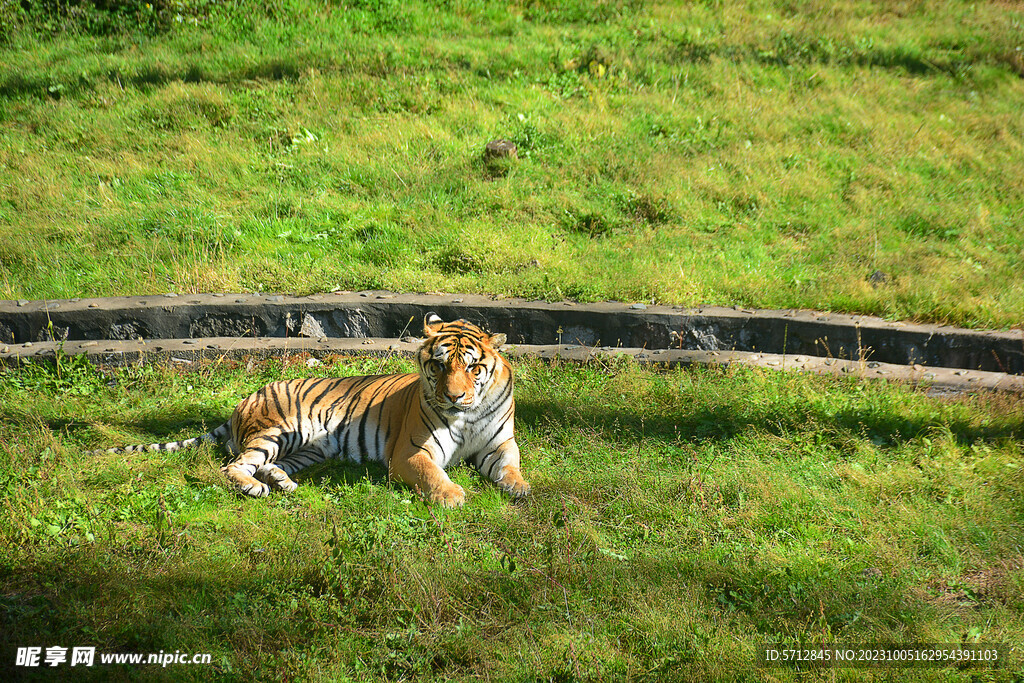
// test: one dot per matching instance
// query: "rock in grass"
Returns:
(500, 149)
(877, 279)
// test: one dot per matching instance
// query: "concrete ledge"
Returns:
(188, 351)
(180, 326)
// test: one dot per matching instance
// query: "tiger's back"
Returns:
(296, 423)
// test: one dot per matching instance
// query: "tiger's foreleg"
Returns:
(502, 467)
(419, 471)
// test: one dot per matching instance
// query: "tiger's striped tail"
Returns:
(219, 435)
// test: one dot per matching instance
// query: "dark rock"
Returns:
(878, 278)
(225, 325)
(500, 149)
(129, 329)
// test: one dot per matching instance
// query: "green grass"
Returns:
(678, 520)
(768, 154)
(765, 154)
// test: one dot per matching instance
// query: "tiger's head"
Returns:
(460, 365)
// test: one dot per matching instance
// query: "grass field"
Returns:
(678, 521)
(768, 154)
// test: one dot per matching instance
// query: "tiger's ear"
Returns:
(432, 324)
(497, 341)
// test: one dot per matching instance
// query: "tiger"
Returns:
(458, 407)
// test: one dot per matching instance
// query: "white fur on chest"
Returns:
(463, 436)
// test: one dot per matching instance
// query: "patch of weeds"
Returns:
(925, 226)
(63, 375)
(320, 228)
(822, 595)
(98, 17)
(71, 521)
(403, 93)
(311, 237)
(154, 185)
(697, 136)
(579, 11)
(458, 260)
(11, 17)
(793, 161)
(495, 167)
(382, 244)
(645, 208)
(361, 548)
(840, 130)
(289, 140)
(373, 16)
(789, 48)
(1015, 60)
(181, 106)
(690, 49)
(568, 79)
(565, 84)
(528, 136)
(593, 224)
(797, 230)
(577, 291)
(734, 204)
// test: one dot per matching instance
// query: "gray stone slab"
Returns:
(245, 319)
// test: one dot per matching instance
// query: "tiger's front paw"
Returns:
(450, 496)
(254, 488)
(513, 483)
(520, 489)
(244, 483)
(274, 477)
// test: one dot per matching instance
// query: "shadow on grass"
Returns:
(343, 473)
(791, 600)
(256, 609)
(55, 87)
(193, 420)
(161, 427)
(724, 422)
(87, 598)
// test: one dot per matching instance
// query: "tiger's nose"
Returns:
(453, 397)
